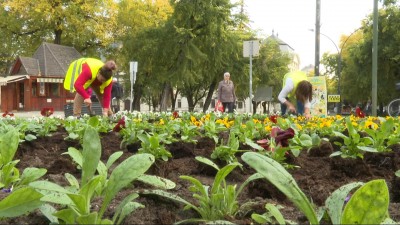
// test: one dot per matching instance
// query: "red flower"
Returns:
(47, 112)
(360, 113)
(120, 125)
(6, 113)
(282, 137)
(274, 118)
(175, 114)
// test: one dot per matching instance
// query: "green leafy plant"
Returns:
(9, 175)
(214, 204)
(368, 205)
(154, 144)
(354, 145)
(280, 178)
(271, 216)
(77, 197)
(227, 152)
(383, 137)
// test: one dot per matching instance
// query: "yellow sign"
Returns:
(319, 101)
(333, 98)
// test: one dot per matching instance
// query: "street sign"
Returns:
(251, 48)
(333, 98)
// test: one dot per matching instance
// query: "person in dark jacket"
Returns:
(226, 93)
(116, 94)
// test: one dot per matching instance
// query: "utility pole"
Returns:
(375, 59)
(317, 32)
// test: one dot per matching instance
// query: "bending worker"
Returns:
(296, 90)
(91, 73)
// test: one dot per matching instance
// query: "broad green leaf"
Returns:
(19, 202)
(114, 157)
(128, 209)
(56, 198)
(72, 180)
(156, 181)
(79, 202)
(48, 186)
(75, 154)
(88, 218)
(31, 174)
(30, 137)
(335, 202)
(167, 195)
(278, 176)
(367, 149)
(127, 171)
(48, 211)
(66, 215)
(368, 205)
(220, 176)
(275, 213)
(207, 162)
(89, 188)
(8, 146)
(119, 208)
(91, 153)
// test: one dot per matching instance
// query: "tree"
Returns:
(88, 25)
(358, 66)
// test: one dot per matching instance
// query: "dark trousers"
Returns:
(299, 107)
(229, 106)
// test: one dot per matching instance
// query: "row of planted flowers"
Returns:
(155, 130)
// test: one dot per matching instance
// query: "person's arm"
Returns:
(107, 100)
(219, 91)
(83, 77)
(307, 107)
(233, 92)
(289, 86)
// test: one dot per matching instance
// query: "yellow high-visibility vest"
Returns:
(297, 77)
(75, 69)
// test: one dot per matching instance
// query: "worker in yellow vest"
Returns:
(85, 73)
(296, 90)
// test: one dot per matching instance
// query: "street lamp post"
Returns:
(339, 65)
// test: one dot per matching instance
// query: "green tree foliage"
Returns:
(88, 25)
(356, 74)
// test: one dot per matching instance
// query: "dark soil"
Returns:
(318, 176)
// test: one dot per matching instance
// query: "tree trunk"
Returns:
(164, 97)
(137, 95)
(57, 38)
(209, 95)
(255, 104)
(173, 98)
(190, 102)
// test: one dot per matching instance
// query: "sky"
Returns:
(292, 20)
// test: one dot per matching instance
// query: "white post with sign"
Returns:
(133, 66)
(250, 49)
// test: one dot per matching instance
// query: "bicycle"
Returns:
(394, 106)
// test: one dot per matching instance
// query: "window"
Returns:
(55, 89)
(179, 104)
(240, 105)
(213, 103)
(201, 104)
(42, 89)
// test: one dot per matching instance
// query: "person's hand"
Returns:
(110, 112)
(307, 115)
(87, 102)
(106, 112)
(291, 108)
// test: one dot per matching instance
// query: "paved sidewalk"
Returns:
(23, 114)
